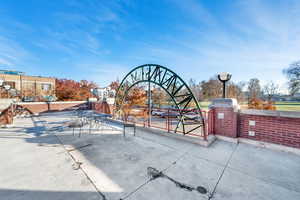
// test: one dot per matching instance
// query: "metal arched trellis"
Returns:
(172, 84)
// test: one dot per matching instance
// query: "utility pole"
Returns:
(35, 89)
(149, 103)
(21, 87)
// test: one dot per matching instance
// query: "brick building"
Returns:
(27, 87)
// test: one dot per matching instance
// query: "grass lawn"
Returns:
(284, 106)
(288, 106)
(204, 104)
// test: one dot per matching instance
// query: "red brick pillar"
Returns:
(225, 113)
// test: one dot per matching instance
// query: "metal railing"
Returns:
(7, 115)
(168, 118)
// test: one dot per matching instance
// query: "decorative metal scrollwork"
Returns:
(171, 83)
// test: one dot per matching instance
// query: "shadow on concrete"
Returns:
(120, 164)
(123, 161)
(35, 131)
(13, 194)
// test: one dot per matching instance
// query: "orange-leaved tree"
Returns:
(68, 90)
(256, 103)
(135, 97)
(114, 85)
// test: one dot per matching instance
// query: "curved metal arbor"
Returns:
(171, 83)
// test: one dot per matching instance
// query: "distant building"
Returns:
(28, 88)
(105, 94)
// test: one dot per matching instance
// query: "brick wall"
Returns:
(225, 122)
(38, 107)
(273, 129)
(102, 108)
(6, 116)
(30, 85)
(276, 127)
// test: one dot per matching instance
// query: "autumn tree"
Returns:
(235, 90)
(254, 89)
(293, 75)
(196, 89)
(85, 89)
(136, 97)
(68, 90)
(114, 85)
(159, 96)
(211, 88)
(258, 104)
(270, 90)
(254, 95)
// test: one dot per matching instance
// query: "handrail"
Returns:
(8, 114)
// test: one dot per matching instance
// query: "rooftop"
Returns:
(44, 160)
(11, 72)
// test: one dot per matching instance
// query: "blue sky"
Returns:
(101, 40)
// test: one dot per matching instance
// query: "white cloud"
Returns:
(11, 53)
(257, 41)
(250, 39)
(193, 9)
(5, 62)
(101, 72)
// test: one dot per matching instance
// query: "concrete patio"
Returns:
(42, 160)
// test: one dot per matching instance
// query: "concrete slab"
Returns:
(278, 168)
(38, 167)
(188, 170)
(235, 185)
(29, 171)
(196, 172)
(219, 151)
(118, 165)
(164, 189)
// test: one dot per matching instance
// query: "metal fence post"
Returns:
(206, 121)
(168, 120)
(148, 118)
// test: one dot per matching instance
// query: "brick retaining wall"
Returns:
(276, 127)
(270, 127)
(98, 107)
(225, 122)
(38, 107)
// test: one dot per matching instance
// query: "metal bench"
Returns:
(128, 125)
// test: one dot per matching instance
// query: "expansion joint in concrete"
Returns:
(103, 197)
(223, 171)
(151, 179)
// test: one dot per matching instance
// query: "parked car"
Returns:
(170, 114)
(28, 99)
(192, 116)
(157, 112)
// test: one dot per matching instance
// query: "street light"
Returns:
(224, 77)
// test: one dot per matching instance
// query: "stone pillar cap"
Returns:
(225, 103)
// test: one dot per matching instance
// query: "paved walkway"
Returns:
(104, 165)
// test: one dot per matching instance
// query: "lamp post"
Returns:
(149, 103)
(224, 77)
